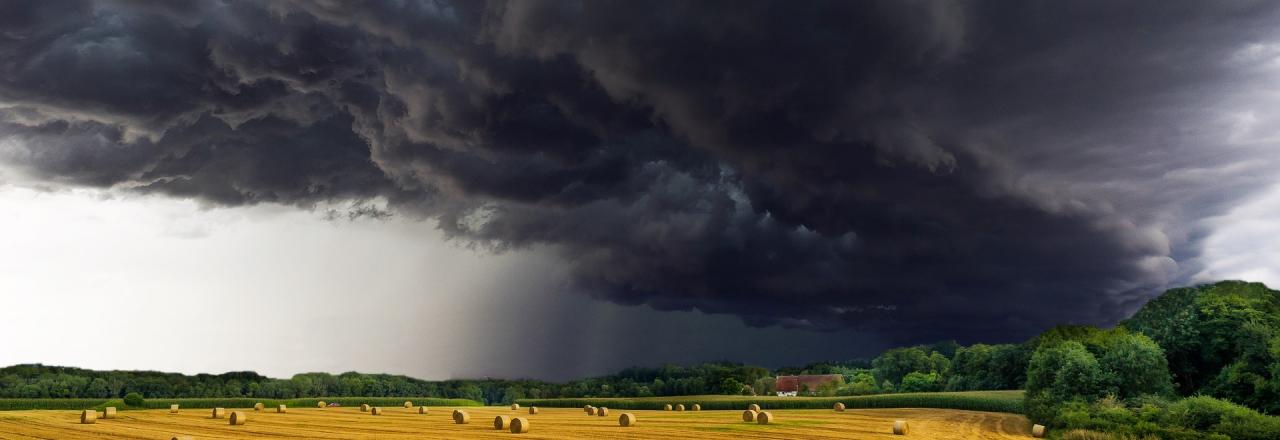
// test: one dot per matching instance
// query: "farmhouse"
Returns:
(804, 384)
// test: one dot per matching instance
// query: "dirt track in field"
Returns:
(549, 423)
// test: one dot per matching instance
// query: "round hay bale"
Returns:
(749, 415)
(238, 418)
(258, 406)
(173, 409)
(591, 411)
(109, 412)
(900, 427)
(183, 437)
(585, 407)
(408, 404)
(838, 406)
(627, 420)
(461, 417)
(281, 409)
(1037, 431)
(501, 422)
(533, 410)
(602, 411)
(519, 425)
(364, 407)
(88, 417)
(219, 413)
(697, 407)
(422, 410)
(679, 407)
(321, 404)
(376, 411)
(764, 418)
(515, 406)
(754, 407)
(667, 407)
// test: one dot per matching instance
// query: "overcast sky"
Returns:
(557, 189)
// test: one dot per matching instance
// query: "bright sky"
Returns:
(153, 283)
(1246, 242)
(140, 282)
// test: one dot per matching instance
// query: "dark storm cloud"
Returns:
(977, 170)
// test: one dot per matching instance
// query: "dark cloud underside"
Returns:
(919, 170)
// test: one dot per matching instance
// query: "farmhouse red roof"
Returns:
(811, 382)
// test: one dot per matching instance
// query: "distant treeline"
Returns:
(40, 381)
(924, 368)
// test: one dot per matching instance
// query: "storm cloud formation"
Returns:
(918, 170)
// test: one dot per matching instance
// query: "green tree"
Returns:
(916, 381)
(893, 365)
(859, 382)
(765, 386)
(829, 388)
(470, 391)
(730, 386)
(1133, 365)
(97, 388)
(1060, 373)
(134, 400)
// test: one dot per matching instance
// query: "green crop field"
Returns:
(233, 402)
(24, 404)
(995, 401)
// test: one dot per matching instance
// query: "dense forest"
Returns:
(1217, 342)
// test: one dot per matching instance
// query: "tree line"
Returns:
(896, 370)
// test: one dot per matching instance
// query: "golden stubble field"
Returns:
(549, 423)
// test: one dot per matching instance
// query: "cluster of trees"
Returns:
(709, 378)
(1216, 343)
(1085, 363)
(944, 366)
(1220, 340)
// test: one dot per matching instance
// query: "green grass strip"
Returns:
(230, 402)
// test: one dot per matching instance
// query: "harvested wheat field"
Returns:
(549, 423)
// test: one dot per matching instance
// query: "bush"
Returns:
(1200, 412)
(1205, 413)
(1194, 418)
(917, 382)
(134, 399)
(1084, 434)
(1249, 426)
